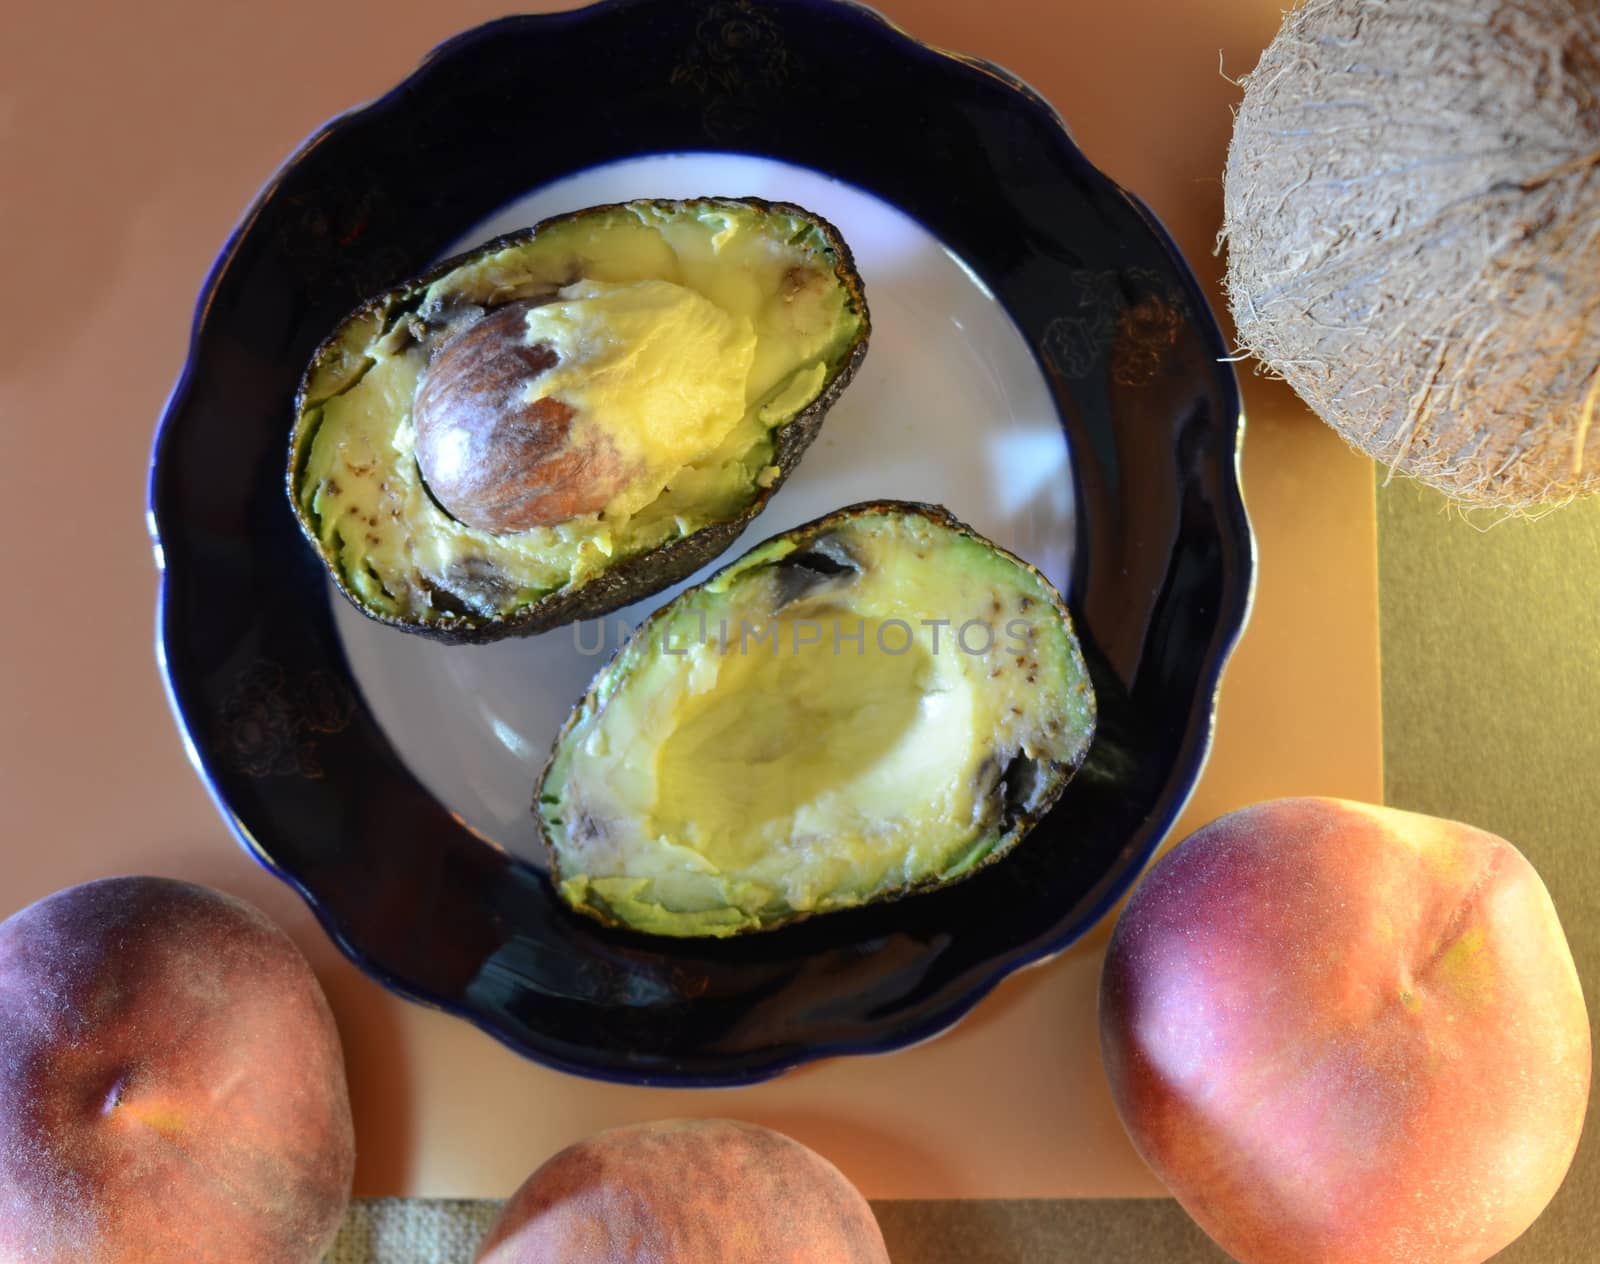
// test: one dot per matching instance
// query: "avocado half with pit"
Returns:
(875, 703)
(571, 417)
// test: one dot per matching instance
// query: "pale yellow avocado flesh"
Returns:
(689, 337)
(656, 369)
(768, 750)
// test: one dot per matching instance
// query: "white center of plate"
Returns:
(949, 407)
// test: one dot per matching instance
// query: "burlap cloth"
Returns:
(932, 1231)
(412, 1230)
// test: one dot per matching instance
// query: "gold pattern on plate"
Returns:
(270, 720)
(1132, 316)
(738, 62)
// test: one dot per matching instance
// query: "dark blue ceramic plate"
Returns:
(289, 720)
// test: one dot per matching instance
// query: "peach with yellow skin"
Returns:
(1344, 1034)
(686, 1191)
(171, 1083)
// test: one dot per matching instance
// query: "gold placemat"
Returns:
(1490, 642)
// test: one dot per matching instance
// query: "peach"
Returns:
(686, 1191)
(1344, 1034)
(171, 1083)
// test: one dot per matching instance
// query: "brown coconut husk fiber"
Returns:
(1412, 215)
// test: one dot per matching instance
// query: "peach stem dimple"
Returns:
(113, 1097)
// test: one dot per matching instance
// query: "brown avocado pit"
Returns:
(495, 455)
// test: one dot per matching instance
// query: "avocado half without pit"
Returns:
(875, 703)
(572, 417)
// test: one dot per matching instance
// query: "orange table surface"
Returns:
(132, 137)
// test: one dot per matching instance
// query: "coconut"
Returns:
(1412, 216)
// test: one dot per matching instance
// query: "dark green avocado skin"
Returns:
(1055, 775)
(633, 578)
